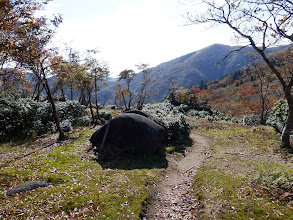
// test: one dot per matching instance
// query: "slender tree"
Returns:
(98, 71)
(127, 76)
(143, 93)
(121, 94)
(264, 79)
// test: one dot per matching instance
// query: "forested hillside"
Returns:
(189, 70)
(239, 94)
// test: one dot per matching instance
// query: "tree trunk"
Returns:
(262, 112)
(71, 92)
(63, 93)
(285, 137)
(38, 91)
(91, 108)
(55, 116)
(96, 98)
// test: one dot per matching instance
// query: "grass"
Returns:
(234, 183)
(81, 188)
(247, 177)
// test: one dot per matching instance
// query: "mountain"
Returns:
(192, 68)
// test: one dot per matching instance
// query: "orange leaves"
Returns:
(247, 92)
(197, 91)
(244, 107)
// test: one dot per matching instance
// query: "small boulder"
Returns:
(130, 133)
(26, 186)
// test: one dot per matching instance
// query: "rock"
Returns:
(26, 186)
(135, 111)
(139, 113)
(131, 133)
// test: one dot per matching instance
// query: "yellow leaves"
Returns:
(283, 20)
(259, 28)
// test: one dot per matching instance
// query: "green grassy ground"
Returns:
(247, 177)
(80, 189)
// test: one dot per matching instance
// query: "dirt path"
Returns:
(173, 198)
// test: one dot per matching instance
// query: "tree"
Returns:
(99, 72)
(143, 93)
(41, 66)
(127, 76)
(13, 84)
(261, 23)
(60, 71)
(203, 85)
(23, 41)
(264, 81)
(17, 24)
(121, 94)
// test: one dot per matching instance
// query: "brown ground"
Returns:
(173, 194)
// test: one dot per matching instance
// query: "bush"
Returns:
(182, 108)
(278, 115)
(66, 125)
(198, 114)
(105, 115)
(82, 121)
(217, 116)
(26, 117)
(23, 117)
(252, 120)
(176, 126)
(69, 109)
(275, 179)
(186, 99)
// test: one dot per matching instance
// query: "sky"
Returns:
(128, 32)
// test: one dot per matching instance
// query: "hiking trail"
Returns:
(173, 195)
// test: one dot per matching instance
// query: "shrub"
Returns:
(278, 115)
(105, 115)
(217, 116)
(82, 121)
(66, 125)
(176, 126)
(22, 117)
(71, 109)
(182, 108)
(26, 117)
(198, 114)
(189, 99)
(275, 179)
(252, 120)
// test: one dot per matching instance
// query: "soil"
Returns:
(173, 195)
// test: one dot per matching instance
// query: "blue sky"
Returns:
(128, 32)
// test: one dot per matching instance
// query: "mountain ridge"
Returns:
(192, 68)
